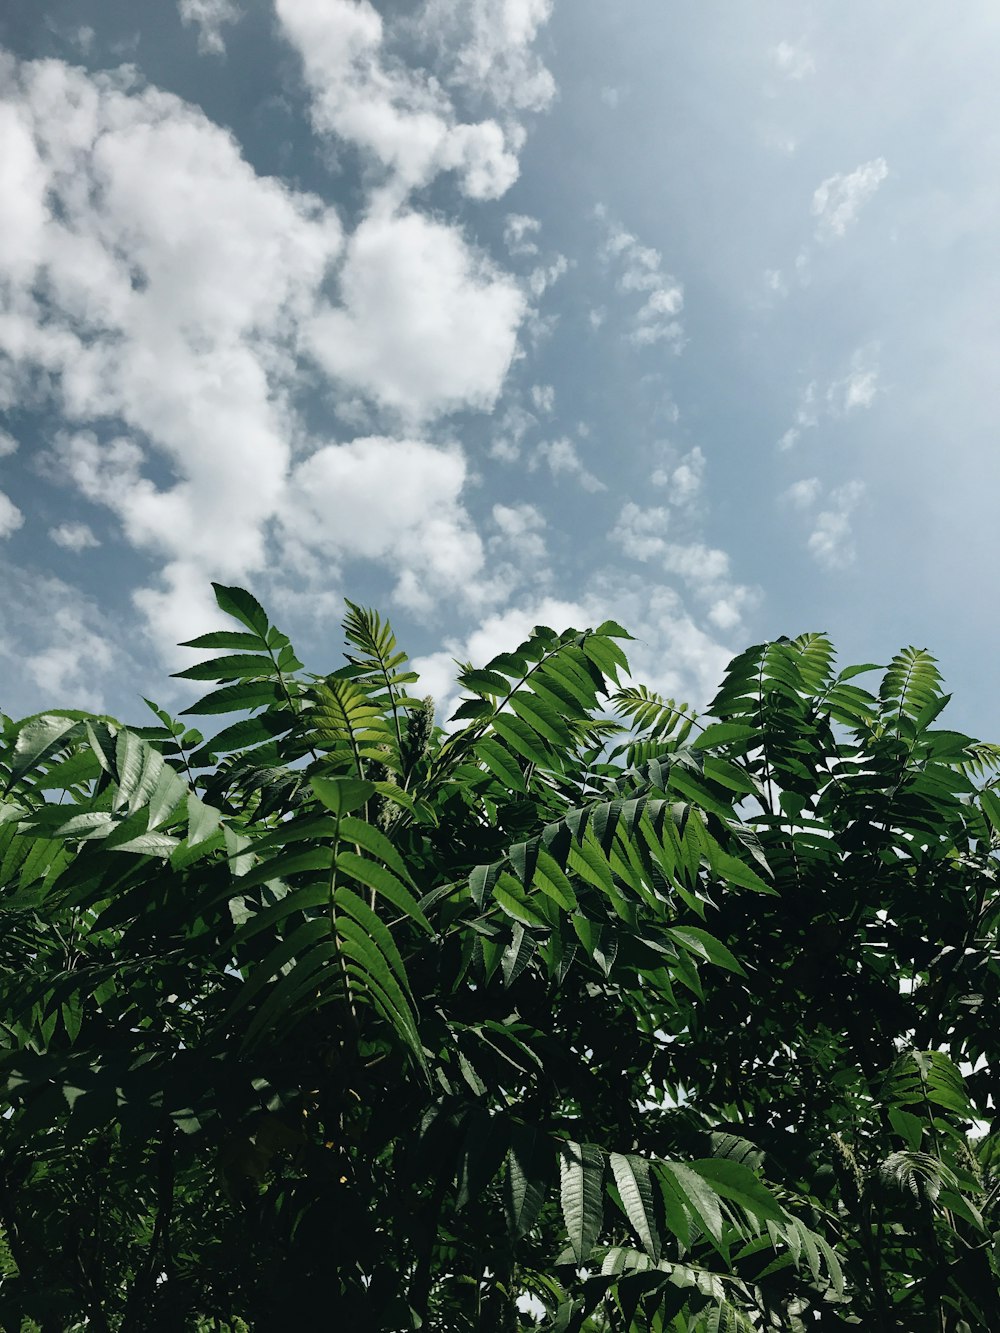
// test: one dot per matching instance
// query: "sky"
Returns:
(491, 313)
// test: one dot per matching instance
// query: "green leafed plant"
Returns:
(586, 1013)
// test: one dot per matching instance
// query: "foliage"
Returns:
(586, 1014)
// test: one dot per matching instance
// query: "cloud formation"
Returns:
(157, 282)
(74, 537)
(394, 501)
(402, 120)
(831, 542)
(210, 17)
(839, 199)
(425, 324)
(640, 271)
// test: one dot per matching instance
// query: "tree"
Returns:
(585, 1014)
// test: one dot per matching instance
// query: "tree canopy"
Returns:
(581, 1012)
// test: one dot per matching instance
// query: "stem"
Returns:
(341, 962)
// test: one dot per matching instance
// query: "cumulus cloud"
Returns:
(153, 280)
(831, 542)
(802, 494)
(210, 17)
(543, 398)
(682, 478)
(640, 271)
(8, 445)
(519, 232)
(426, 325)
(543, 276)
(562, 459)
(641, 533)
(11, 517)
(793, 61)
(401, 119)
(806, 417)
(74, 536)
(839, 199)
(57, 649)
(859, 387)
(705, 570)
(487, 49)
(521, 528)
(512, 425)
(396, 501)
(854, 391)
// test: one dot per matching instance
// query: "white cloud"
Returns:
(640, 270)
(518, 233)
(57, 649)
(831, 540)
(641, 533)
(543, 398)
(8, 445)
(859, 387)
(521, 527)
(840, 198)
(74, 536)
(806, 417)
(511, 428)
(153, 278)
(856, 390)
(793, 61)
(562, 459)
(683, 479)
(401, 118)
(156, 281)
(393, 501)
(11, 517)
(543, 276)
(57, 670)
(210, 16)
(426, 325)
(488, 50)
(802, 494)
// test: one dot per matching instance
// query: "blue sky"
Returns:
(492, 312)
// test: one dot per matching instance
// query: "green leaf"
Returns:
(297, 945)
(270, 918)
(501, 764)
(384, 882)
(508, 896)
(342, 795)
(704, 945)
(235, 666)
(234, 698)
(36, 739)
(635, 1188)
(374, 841)
(522, 738)
(242, 606)
(378, 932)
(226, 638)
(724, 733)
(526, 1180)
(581, 1187)
(697, 1196)
(733, 1180)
